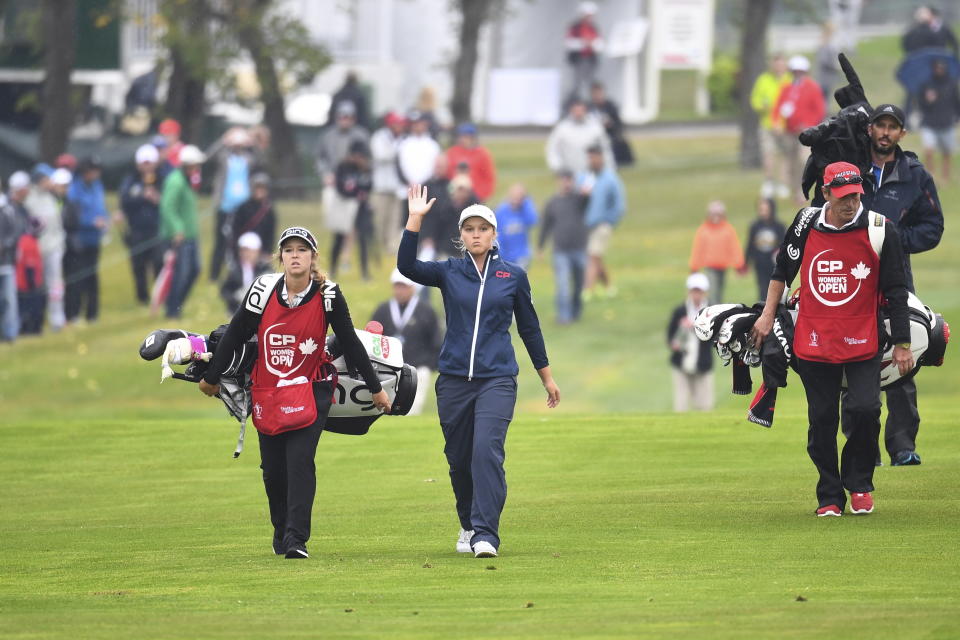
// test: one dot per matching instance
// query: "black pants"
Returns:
(222, 236)
(903, 418)
(290, 474)
(145, 255)
(821, 381)
(80, 267)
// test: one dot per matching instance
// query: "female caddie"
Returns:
(293, 380)
(477, 386)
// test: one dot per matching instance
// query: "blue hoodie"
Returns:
(512, 226)
(88, 202)
(477, 343)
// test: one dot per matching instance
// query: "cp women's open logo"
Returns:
(832, 282)
(280, 351)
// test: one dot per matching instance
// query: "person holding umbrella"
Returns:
(477, 386)
(293, 380)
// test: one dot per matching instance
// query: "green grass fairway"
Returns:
(123, 514)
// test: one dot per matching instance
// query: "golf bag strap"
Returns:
(243, 430)
(877, 230)
(259, 292)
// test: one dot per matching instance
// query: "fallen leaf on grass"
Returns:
(427, 565)
(801, 599)
(529, 605)
(348, 610)
(430, 480)
(491, 568)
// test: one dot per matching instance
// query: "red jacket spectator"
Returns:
(29, 264)
(800, 104)
(483, 175)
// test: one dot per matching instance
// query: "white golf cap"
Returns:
(250, 240)
(147, 153)
(698, 281)
(61, 176)
(19, 180)
(478, 211)
(398, 278)
(798, 63)
(588, 8)
(191, 155)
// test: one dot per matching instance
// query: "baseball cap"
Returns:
(61, 176)
(346, 108)
(798, 63)
(67, 161)
(298, 232)
(19, 180)
(250, 240)
(698, 281)
(147, 153)
(398, 278)
(169, 127)
(843, 179)
(89, 163)
(190, 154)
(467, 129)
(891, 110)
(393, 118)
(260, 178)
(478, 211)
(42, 170)
(159, 142)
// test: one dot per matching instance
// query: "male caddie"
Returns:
(848, 260)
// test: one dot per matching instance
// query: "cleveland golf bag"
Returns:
(352, 411)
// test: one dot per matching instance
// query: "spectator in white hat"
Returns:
(691, 360)
(410, 318)
(140, 205)
(800, 105)
(46, 207)
(250, 265)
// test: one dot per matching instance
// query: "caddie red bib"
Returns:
(839, 298)
(290, 342)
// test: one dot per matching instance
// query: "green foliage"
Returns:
(290, 45)
(722, 84)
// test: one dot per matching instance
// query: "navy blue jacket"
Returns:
(908, 197)
(478, 345)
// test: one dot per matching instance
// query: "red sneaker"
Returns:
(829, 510)
(861, 503)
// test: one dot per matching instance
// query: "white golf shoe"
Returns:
(484, 549)
(463, 541)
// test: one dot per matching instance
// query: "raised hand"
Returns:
(417, 200)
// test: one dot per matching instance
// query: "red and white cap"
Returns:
(843, 179)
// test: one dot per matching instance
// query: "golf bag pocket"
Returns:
(287, 408)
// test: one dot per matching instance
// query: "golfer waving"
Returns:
(477, 386)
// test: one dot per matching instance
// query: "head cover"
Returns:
(298, 232)
(346, 108)
(393, 118)
(66, 160)
(260, 179)
(478, 211)
(843, 179)
(19, 180)
(238, 137)
(415, 116)
(467, 129)
(169, 127)
(698, 281)
(799, 63)
(398, 278)
(159, 142)
(588, 8)
(250, 240)
(890, 110)
(42, 170)
(61, 176)
(147, 153)
(89, 163)
(191, 155)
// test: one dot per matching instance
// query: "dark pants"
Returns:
(185, 272)
(903, 418)
(821, 381)
(80, 267)
(474, 415)
(290, 473)
(222, 238)
(145, 255)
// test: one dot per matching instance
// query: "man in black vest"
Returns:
(845, 258)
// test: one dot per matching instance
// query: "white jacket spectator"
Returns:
(571, 137)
